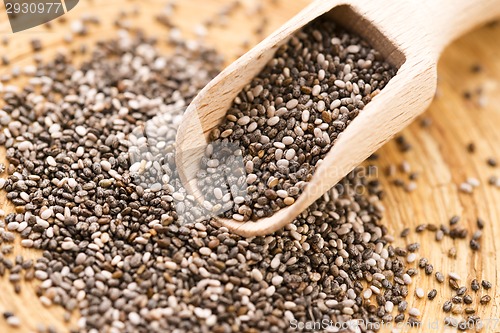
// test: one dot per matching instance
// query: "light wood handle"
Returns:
(450, 19)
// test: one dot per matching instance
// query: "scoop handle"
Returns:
(450, 19)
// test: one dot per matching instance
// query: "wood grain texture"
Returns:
(439, 152)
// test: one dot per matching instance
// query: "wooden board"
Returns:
(439, 152)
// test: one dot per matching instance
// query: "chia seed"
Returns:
(485, 299)
(474, 285)
(447, 306)
(432, 294)
(486, 284)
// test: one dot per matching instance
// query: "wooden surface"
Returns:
(439, 152)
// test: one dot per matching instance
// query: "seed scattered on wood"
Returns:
(422, 262)
(428, 269)
(401, 252)
(432, 227)
(485, 299)
(411, 258)
(426, 122)
(13, 321)
(454, 220)
(413, 247)
(402, 306)
(447, 306)
(474, 245)
(403, 144)
(492, 162)
(458, 233)
(486, 284)
(410, 187)
(469, 311)
(466, 187)
(407, 279)
(474, 182)
(420, 228)
(476, 68)
(477, 234)
(461, 291)
(7, 314)
(414, 312)
(474, 285)
(36, 44)
(432, 294)
(399, 318)
(471, 147)
(453, 284)
(494, 181)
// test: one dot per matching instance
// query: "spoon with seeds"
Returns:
(410, 35)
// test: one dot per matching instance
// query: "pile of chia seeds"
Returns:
(92, 176)
(114, 249)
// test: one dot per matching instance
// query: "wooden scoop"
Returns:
(411, 34)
